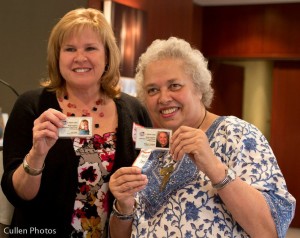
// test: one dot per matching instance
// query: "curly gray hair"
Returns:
(195, 65)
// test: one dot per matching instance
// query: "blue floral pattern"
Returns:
(190, 207)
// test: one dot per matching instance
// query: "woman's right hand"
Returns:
(45, 131)
(45, 134)
(124, 183)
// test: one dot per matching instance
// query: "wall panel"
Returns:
(169, 18)
(253, 31)
(285, 126)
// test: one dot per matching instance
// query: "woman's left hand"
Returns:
(193, 142)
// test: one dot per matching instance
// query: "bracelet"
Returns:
(32, 171)
(121, 216)
(230, 175)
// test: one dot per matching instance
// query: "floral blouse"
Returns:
(189, 207)
(91, 204)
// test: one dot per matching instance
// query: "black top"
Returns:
(52, 208)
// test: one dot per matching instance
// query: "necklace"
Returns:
(202, 119)
(166, 170)
(84, 112)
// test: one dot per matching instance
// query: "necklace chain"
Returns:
(202, 119)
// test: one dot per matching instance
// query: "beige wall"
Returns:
(257, 93)
(24, 29)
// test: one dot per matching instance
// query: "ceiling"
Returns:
(239, 2)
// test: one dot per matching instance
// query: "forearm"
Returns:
(124, 184)
(246, 204)
(26, 185)
(249, 208)
(119, 228)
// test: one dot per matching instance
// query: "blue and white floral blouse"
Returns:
(189, 206)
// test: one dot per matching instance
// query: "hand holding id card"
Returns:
(148, 138)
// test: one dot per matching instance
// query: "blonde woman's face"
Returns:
(82, 60)
(85, 126)
(170, 95)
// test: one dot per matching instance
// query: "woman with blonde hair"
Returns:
(59, 186)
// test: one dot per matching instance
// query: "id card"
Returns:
(148, 138)
(76, 127)
(134, 128)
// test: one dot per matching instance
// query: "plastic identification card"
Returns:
(76, 127)
(148, 138)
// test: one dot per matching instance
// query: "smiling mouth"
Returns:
(81, 70)
(169, 110)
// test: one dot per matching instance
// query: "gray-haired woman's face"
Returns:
(170, 95)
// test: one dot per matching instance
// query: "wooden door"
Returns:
(228, 83)
(285, 125)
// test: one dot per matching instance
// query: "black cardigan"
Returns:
(53, 206)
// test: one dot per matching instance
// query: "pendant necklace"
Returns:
(167, 170)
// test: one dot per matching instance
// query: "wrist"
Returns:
(124, 215)
(216, 173)
(230, 176)
(29, 169)
(125, 209)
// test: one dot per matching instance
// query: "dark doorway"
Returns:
(228, 83)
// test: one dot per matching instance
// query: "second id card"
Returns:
(148, 138)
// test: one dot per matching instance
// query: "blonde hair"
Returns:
(82, 123)
(195, 65)
(75, 21)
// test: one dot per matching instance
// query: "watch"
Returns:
(230, 175)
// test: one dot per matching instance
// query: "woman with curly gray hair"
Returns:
(221, 179)
(195, 65)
